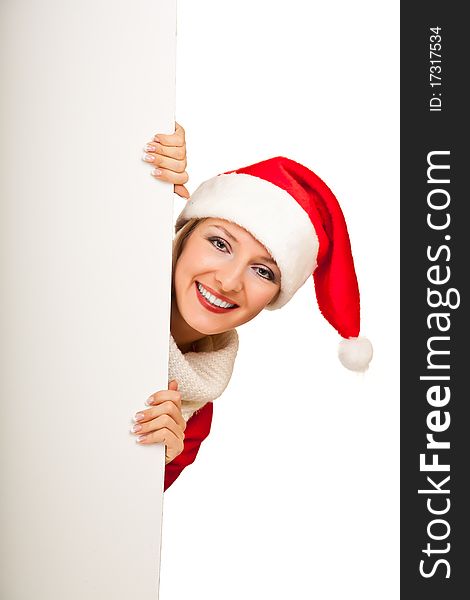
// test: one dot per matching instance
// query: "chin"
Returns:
(206, 328)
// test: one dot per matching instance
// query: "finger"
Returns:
(170, 176)
(166, 408)
(161, 422)
(173, 384)
(171, 164)
(178, 152)
(165, 436)
(163, 162)
(182, 191)
(164, 396)
(173, 139)
(178, 127)
(172, 453)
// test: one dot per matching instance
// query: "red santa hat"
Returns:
(297, 218)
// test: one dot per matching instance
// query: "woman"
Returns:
(247, 240)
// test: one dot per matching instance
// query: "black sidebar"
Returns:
(435, 259)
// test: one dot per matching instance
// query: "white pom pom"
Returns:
(355, 353)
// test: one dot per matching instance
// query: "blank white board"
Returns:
(85, 294)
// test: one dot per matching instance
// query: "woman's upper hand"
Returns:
(162, 422)
(167, 153)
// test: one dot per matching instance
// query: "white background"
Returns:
(295, 494)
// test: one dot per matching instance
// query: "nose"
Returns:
(230, 278)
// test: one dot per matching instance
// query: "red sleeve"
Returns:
(197, 429)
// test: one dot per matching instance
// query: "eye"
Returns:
(269, 275)
(216, 240)
(222, 245)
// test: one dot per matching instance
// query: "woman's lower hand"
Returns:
(167, 153)
(163, 422)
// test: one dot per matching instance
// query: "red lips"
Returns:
(216, 294)
(208, 305)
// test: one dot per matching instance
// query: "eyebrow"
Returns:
(267, 259)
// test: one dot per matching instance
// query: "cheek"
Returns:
(180, 277)
(191, 264)
(261, 296)
(200, 261)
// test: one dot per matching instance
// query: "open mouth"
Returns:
(211, 302)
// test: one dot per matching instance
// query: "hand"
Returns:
(168, 154)
(163, 422)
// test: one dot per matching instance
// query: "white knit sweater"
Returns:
(204, 374)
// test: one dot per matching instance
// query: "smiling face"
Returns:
(223, 277)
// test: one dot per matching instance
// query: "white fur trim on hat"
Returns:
(270, 214)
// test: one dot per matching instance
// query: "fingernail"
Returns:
(136, 428)
(148, 157)
(156, 172)
(149, 148)
(140, 438)
(138, 416)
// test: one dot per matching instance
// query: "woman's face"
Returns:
(224, 260)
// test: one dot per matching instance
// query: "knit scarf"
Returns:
(204, 374)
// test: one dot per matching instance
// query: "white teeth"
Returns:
(212, 299)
